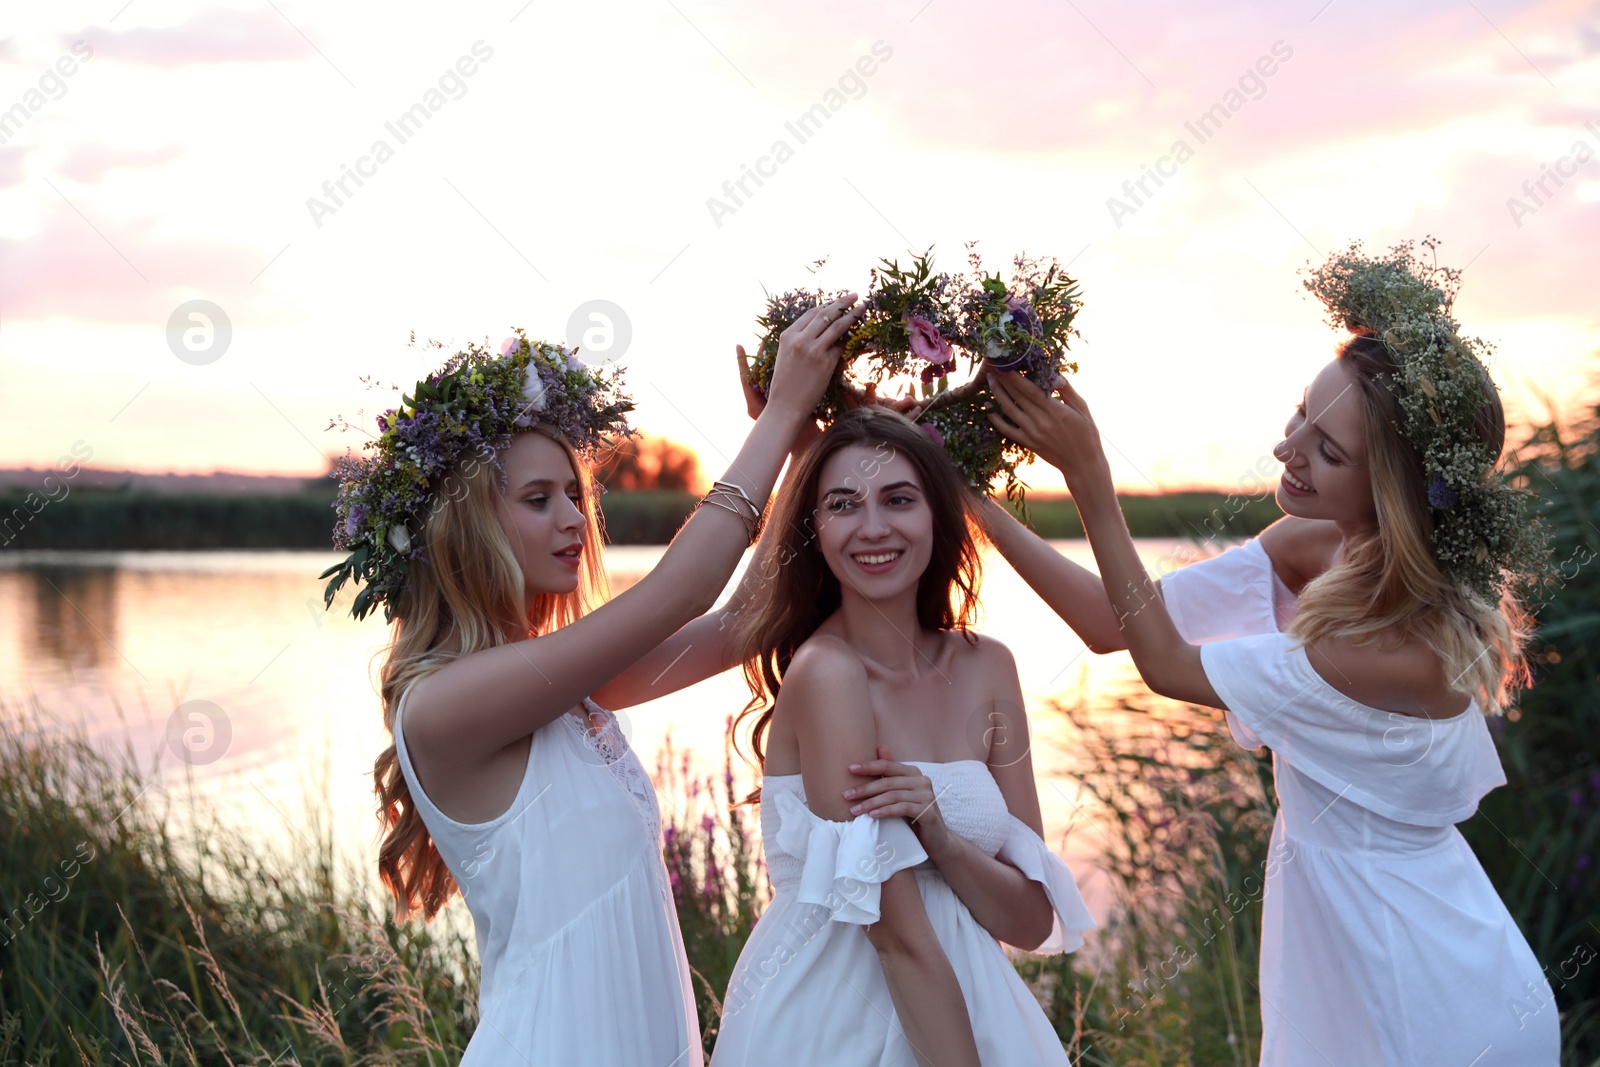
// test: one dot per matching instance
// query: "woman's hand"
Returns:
(808, 352)
(1062, 431)
(755, 403)
(899, 789)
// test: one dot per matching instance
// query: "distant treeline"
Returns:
(119, 520)
(1194, 515)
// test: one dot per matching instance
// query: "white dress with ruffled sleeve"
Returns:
(1383, 941)
(583, 962)
(808, 990)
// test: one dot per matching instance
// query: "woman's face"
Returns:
(541, 514)
(873, 522)
(1323, 452)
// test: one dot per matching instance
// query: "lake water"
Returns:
(117, 642)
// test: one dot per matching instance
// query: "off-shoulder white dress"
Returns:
(808, 990)
(583, 962)
(1383, 941)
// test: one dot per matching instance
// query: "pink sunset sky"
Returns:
(153, 154)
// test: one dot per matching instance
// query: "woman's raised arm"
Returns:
(1075, 593)
(1064, 434)
(476, 705)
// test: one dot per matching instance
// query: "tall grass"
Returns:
(1180, 818)
(128, 939)
(715, 865)
(1539, 836)
(132, 939)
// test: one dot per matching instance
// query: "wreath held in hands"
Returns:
(913, 325)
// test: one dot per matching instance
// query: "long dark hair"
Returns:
(797, 590)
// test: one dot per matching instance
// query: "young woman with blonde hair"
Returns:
(1363, 639)
(473, 522)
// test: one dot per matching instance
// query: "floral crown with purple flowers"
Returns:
(1482, 535)
(913, 324)
(470, 408)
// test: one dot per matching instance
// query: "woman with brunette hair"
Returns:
(894, 880)
(1363, 638)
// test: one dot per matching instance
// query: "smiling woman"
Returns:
(904, 876)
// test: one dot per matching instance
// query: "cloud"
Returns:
(89, 163)
(11, 166)
(261, 36)
(67, 270)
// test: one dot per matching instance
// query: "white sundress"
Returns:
(1383, 941)
(808, 990)
(583, 962)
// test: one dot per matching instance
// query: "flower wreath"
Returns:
(1482, 535)
(468, 409)
(914, 322)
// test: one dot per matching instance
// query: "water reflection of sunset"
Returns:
(118, 643)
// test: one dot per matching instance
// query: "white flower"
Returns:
(400, 539)
(532, 395)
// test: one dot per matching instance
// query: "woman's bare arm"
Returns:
(1064, 434)
(704, 647)
(473, 707)
(1075, 593)
(824, 699)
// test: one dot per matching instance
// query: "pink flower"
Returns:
(926, 340)
(510, 345)
(933, 432)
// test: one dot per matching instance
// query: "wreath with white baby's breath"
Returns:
(1482, 534)
(914, 325)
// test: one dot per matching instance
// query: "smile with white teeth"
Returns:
(873, 559)
(1297, 483)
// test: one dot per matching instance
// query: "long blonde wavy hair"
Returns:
(466, 594)
(1390, 583)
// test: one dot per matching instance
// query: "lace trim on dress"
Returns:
(607, 742)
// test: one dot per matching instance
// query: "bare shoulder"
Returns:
(990, 663)
(822, 657)
(1300, 549)
(1403, 676)
(981, 649)
(824, 670)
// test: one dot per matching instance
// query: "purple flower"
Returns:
(933, 431)
(1441, 496)
(1022, 316)
(510, 345)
